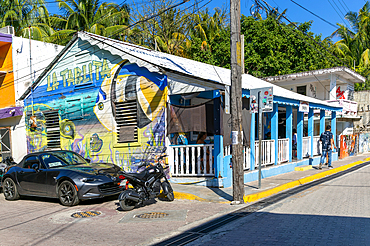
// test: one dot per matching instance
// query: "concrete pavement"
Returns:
(269, 186)
(335, 212)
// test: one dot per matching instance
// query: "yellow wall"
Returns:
(7, 95)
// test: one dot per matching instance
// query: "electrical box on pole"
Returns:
(261, 100)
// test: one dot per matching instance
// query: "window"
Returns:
(30, 161)
(52, 129)
(301, 90)
(5, 148)
(126, 118)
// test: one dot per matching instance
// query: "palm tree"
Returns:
(25, 16)
(167, 32)
(353, 48)
(106, 19)
(208, 27)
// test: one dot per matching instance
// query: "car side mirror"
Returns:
(88, 160)
(35, 167)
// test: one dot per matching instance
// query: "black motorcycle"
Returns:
(146, 185)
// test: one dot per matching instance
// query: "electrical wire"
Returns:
(268, 7)
(87, 43)
(314, 14)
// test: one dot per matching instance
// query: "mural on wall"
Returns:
(86, 98)
(364, 143)
(348, 145)
(313, 91)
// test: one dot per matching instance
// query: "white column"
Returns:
(333, 87)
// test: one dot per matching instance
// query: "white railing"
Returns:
(227, 150)
(268, 152)
(191, 160)
(306, 147)
(283, 147)
(316, 146)
(246, 155)
(246, 158)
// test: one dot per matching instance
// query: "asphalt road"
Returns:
(39, 221)
(336, 212)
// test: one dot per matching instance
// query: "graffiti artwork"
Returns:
(364, 143)
(348, 145)
(106, 109)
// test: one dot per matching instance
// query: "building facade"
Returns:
(19, 59)
(116, 102)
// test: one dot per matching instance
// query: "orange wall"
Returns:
(7, 94)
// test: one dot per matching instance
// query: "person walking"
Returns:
(294, 143)
(327, 142)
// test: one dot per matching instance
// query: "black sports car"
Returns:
(61, 174)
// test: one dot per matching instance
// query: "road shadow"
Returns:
(81, 203)
(147, 203)
(288, 229)
(221, 193)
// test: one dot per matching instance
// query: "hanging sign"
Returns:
(304, 107)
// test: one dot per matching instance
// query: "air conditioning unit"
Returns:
(7, 30)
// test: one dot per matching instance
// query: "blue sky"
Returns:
(331, 10)
(322, 8)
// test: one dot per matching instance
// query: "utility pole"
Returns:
(236, 103)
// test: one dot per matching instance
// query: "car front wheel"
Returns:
(67, 194)
(10, 190)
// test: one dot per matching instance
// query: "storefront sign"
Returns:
(304, 107)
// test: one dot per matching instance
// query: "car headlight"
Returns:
(88, 180)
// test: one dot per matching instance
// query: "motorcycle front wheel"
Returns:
(167, 189)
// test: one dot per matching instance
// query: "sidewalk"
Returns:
(269, 186)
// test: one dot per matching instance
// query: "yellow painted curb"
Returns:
(187, 196)
(303, 168)
(263, 194)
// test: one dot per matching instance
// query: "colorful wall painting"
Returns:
(84, 90)
(364, 143)
(348, 145)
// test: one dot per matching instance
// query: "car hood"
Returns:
(95, 168)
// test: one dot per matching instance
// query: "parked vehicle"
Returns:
(146, 184)
(61, 174)
(4, 165)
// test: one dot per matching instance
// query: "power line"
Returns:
(99, 41)
(314, 14)
(268, 7)
(120, 30)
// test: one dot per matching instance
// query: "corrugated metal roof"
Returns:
(193, 68)
(342, 71)
(154, 60)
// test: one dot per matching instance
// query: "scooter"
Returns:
(145, 185)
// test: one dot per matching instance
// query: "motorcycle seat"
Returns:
(140, 175)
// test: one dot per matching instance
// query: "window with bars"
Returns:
(126, 118)
(5, 148)
(52, 129)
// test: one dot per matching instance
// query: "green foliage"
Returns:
(105, 19)
(355, 42)
(270, 48)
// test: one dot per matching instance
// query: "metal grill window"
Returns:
(5, 147)
(52, 129)
(126, 118)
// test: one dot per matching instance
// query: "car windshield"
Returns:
(62, 158)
